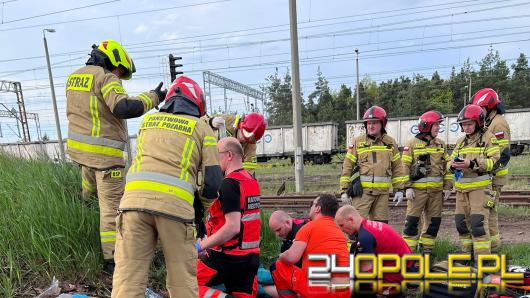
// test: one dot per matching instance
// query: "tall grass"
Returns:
(46, 230)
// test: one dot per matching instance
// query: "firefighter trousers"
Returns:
(494, 220)
(88, 185)
(135, 246)
(372, 206)
(110, 185)
(427, 204)
(291, 282)
(471, 219)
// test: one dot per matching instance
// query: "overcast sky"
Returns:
(246, 40)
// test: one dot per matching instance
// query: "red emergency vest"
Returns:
(248, 239)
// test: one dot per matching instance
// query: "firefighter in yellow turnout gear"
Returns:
(173, 145)
(498, 126)
(371, 165)
(97, 106)
(248, 129)
(425, 162)
(472, 163)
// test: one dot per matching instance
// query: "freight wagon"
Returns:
(320, 142)
(403, 129)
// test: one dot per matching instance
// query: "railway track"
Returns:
(514, 198)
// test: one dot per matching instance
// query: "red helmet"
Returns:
(472, 113)
(375, 113)
(188, 89)
(486, 97)
(428, 119)
(252, 126)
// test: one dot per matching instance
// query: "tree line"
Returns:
(402, 96)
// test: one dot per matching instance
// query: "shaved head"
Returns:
(230, 144)
(280, 223)
(348, 219)
(230, 154)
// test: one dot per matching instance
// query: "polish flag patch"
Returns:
(350, 146)
(406, 148)
(499, 135)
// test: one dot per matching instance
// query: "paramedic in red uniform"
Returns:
(230, 253)
(373, 237)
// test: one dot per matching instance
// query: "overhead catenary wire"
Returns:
(59, 12)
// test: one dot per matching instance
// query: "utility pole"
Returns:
(297, 111)
(54, 100)
(357, 88)
(469, 90)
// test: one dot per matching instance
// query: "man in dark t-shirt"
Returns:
(230, 253)
(285, 227)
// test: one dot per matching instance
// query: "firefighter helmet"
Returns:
(486, 97)
(253, 127)
(188, 89)
(117, 56)
(375, 113)
(427, 119)
(472, 113)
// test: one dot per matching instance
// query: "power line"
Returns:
(60, 11)
(157, 42)
(112, 16)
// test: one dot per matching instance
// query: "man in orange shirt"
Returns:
(320, 236)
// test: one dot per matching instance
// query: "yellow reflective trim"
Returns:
(449, 176)
(147, 100)
(427, 184)
(503, 143)
(94, 113)
(482, 244)
(108, 233)
(250, 165)
(412, 243)
(492, 150)
(351, 157)
(209, 141)
(107, 87)
(501, 172)
(186, 158)
(160, 187)
(98, 149)
(79, 82)
(428, 241)
(406, 158)
(87, 185)
(118, 89)
(169, 122)
(139, 152)
(400, 179)
(375, 184)
(344, 179)
(489, 165)
(373, 149)
(472, 184)
(396, 157)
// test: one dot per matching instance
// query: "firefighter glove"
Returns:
(161, 93)
(398, 196)
(218, 122)
(409, 194)
(355, 188)
(447, 193)
(345, 198)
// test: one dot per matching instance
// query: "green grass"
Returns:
(513, 212)
(46, 230)
(519, 165)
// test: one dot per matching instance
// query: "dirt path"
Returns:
(513, 230)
